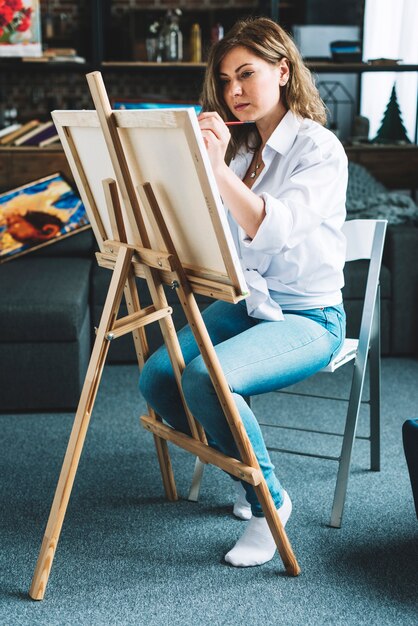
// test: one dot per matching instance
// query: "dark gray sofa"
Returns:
(52, 299)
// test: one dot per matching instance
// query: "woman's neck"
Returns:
(267, 125)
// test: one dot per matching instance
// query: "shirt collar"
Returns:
(281, 140)
(283, 137)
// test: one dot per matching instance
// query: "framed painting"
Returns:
(20, 29)
(37, 214)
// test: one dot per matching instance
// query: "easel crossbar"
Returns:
(153, 258)
(200, 285)
(251, 475)
(129, 323)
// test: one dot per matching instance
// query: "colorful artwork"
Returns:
(20, 32)
(148, 104)
(37, 214)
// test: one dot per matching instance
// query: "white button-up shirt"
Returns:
(296, 259)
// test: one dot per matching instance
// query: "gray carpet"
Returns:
(127, 556)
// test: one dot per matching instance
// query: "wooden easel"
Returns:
(127, 261)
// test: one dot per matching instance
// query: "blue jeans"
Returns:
(256, 356)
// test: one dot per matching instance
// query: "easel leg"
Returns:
(79, 430)
(276, 528)
(141, 349)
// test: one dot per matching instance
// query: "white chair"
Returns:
(365, 240)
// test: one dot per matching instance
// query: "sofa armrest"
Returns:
(400, 256)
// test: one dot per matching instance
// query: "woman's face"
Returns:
(251, 86)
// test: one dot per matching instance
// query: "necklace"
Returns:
(257, 166)
(255, 170)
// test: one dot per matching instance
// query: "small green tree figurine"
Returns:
(392, 129)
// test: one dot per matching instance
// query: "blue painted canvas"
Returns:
(39, 213)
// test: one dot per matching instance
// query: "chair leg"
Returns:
(196, 481)
(374, 373)
(347, 446)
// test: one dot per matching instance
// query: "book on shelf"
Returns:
(53, 52)
(35, 136)
(9, 129)
(47, 142)
(11, 137)
(57, 55)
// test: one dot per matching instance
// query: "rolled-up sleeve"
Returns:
(312, 191)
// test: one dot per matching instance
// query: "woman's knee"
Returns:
(155, 375)
(197, 386)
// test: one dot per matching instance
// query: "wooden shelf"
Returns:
(182, 65)
(15, 65)
(20, 165)
(395, 166)
(359, 68)
(316, 66)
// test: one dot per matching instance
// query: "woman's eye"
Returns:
(246, 74)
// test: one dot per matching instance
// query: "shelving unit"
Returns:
(19, 165)
(133, 78)
(315, 66)
(319, 67)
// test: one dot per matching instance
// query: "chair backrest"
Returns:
(365, 240)
(360, 236)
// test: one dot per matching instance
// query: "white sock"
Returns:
(242, 508)
(257, 546)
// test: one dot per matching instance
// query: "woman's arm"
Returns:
(246, 207)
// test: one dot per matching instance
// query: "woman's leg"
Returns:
(268, 356)
(157, 381)
(256, 357)
(265, 357)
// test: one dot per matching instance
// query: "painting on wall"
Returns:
(20, 29)
(39, 213)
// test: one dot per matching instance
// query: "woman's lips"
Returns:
(240, 107)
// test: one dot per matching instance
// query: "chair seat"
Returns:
(347, 353)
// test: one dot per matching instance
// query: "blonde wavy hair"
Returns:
(269, 41)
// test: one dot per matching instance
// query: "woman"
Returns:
(284, 192)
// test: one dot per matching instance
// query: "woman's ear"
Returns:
(284, 72)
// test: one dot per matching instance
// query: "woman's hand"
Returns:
(216, 137)
(246, 207)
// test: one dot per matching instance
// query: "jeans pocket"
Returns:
(336, 327)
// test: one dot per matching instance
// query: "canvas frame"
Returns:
(212, 264)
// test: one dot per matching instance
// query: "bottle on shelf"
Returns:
(48, 24)
(174, 50)
(195, 44)
(216, 33)
(170, 39)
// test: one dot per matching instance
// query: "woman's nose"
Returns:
(235, 88)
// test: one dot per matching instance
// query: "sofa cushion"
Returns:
(44, 375)
(43, 299)
(355, 275)
(369, 199)
(80, 244)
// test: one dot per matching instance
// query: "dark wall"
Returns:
(334, 12)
